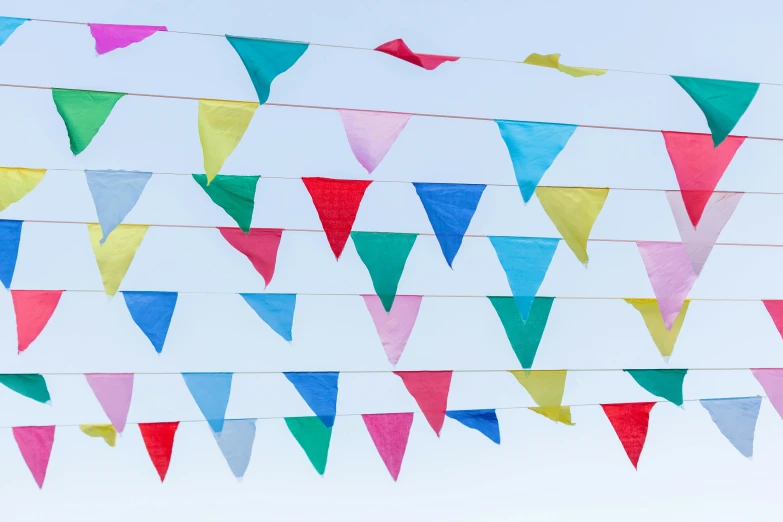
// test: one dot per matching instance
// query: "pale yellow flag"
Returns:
(573, 210)
(102, 431)
(16, 183)
(221, 125)
(555, 413)
(544, 386)
(553, 61)
(664, 339)
(115, 255)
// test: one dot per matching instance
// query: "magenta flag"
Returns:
(371, 134)
(395, 326)
(114, 391)
(775, 309)
(35, 445)
(771, 379)
(431, 392)
(389, 433)
(109, 37)
(671, 275)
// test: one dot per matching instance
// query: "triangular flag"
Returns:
(394, 327)
(553, 62)
(17, 183)
(115, 193)
(221, 125)
(573, 211)
(152, 313)
(662, 383)
(449, 207)
(33, 309)
(384, 254)
(337, 202)
(109, 37)
(114, 391)
(771, 379)
(8, 25)
(533, 148)
(484, 421)
(775, 309)
(546, 388)
(260, 246)
(663, 338)
(265, 60)
(35, 445)
(276, 310)
(116, 254)
(319, 391)
(313, 437)
(736, 419)
(399, 49)
(371, 134)
(101, 431)
(10, 236)
(431, 392)
(723, 102)
(698, 166)
(671, 276)
(159, 440)
(236, 444)
(524, 336)
(31, 385)
(630, 422)
(211, 392)
(389, 433)
(561, 414)
(525, 260)
(234, 194)
(83, 112)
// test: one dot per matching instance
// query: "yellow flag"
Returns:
(221, 125)
(553, 61)
(664, 339)
(556, 413)
(16, 183)
(573, 210)
(115, 255)
(103, 431)
(544, 386)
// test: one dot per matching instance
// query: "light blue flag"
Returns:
(319, 391)
(10, 236)
(525, 261)
(115, 193)
(8, 26)
(277, 311)
(152, 312)
(211, 392)
(533, 148)
(485, 421)
(736, 419)
(236, 444)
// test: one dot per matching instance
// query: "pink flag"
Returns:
(33, 308)
(771, 379)
(389, 432)
(114, 392)
(394, 327)
(699, 240)
(35, 445)
(371, 134)
(671, 275)
(399, 49)
(775, 309)
(431, 391)
(109, 37)
(260, 246)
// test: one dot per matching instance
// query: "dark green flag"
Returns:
(663, 383)
(314, 437)
(30, 385)
(234, 194)
(524, 336)
(384, 254)
(83, 113)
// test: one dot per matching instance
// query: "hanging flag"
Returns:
(431, 392)
(524, 335)
(33, 309)
(10, 236)
(221, 125)
(114, 391)
(371, 134)
(663, 338)
(553, 62)
(236, 444)
(276, 310)
(775, 309)
(389, 433)
(546, 388)
(211, 392)
(671, 276)
(313, 437)
(84, 113)
(337, 202)
(35, 445)
(319, 391)
(723, 102)
(736, 419)
(31, 385)
(662, 383)
(234, 194)
(399, 49)
(484, 421)
(630, 422)
(116, 254)
(101, 431)
(8, 25)
(109, 37)
(17, 183)
(152, 313)
(384, 254)
(450, 208)
(394, 327)
(265, 60)
(260, 246)
(159, 441)
(115, 193)
(771, 379)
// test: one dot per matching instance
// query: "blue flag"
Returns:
(485, 421)
(10, 235)
(319, 390)
(450, 207)
(8, 26)
(236, 444)
(152, 311)
(525, 261)
(115, 193)
(277, 311)
(736, 419)
(533, 148)
(211, 392)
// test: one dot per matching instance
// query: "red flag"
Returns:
(159, 439)
(260, 246)
(431, 391)
(33, 309)
(398, 49)
(775, 309)
(630, 421)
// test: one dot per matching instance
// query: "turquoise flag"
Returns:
(663, 383)
(276, 310)
(8, 25)
(211, 392)
(265, 60)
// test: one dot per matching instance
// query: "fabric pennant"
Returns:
(114, 391)
(115, 255)
(234, 194)
(236, 444)
(553, 62)
(84, 113)
(483, 421)
(663, 338)
(8, 25)
(221, 125)
(736, 419)
(109, 37)
(211, 392)
(31, 385)
(524, 335)
(16, 183)
(313, 437)
(259, 246)
(384, 254)
(561, 414)
(771, 380)
(630, 422)
(662, 383)
(159, 441)
(546, 388)
(389, 433)
(35, 444)
(319, 391)
(399, 49)
(33, 309)
(431, 392)
(775, 309)
(101, 431)
(152, 313)
(115, 193)
(371, 134)
(276, 310)
(395, 326)
(10, 237)
(671, 276)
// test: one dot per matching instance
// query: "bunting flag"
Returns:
(152, 313)
(8, 25)
(116, 254)
(371, 134)
(395, 326)
(546, 388)
(221, 125)
(313, 437)
(259, 246)
(109, 37)
(553, 62)
(31, 385)
(771, 379)
(431, 392)
(399, 49)
(17, 183)
(533, 148)
(84, 113)
(524, 335)
(450, 208)
(234, 194)
(630, 422)
(389, 433)
(319, 391)
(662, 383)
(276, 310)
(265, 60)
(525, 260)
(101, 431)
(114, 391)
(115, 193)
(10, 237)
(663, 338)
(723, 102)
(699, 167)
(736, 419)
(775, 309)
(337, 202)
(159, 441)
(483, 421)
(671, 276)
(35, 444)
(384, 254)
(236, 444)
(33, 309)
(211, 392)
(573, 211)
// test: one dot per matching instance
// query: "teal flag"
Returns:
(83, 112)
(384, 254)
(31, 385)
(314, 437)
(8, 26)
(663, 383)
(265, 60)
(524, 336)
(234, 194)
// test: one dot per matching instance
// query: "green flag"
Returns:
(83, 113)
(30, 385)
(314, 437)
(234, 194)
(384, 254)
(723, 102)
(524, 336)
(663, 383)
